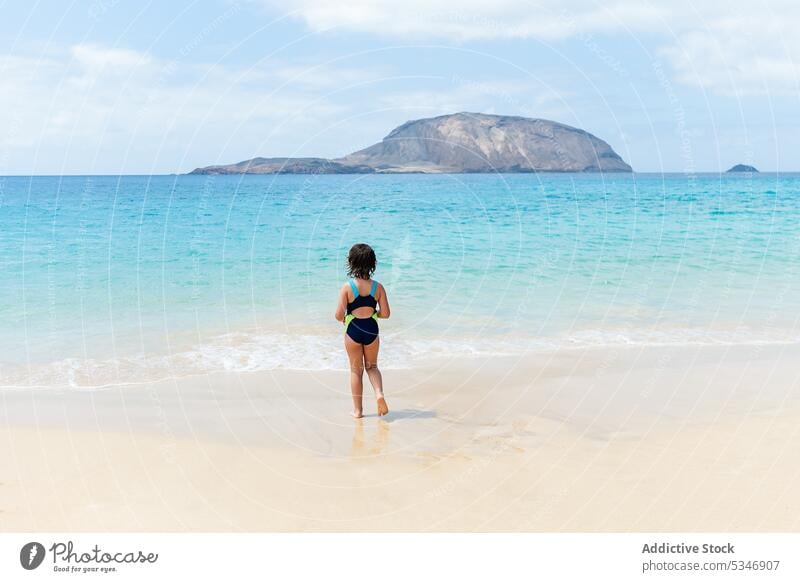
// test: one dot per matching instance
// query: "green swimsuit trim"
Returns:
(350, 317)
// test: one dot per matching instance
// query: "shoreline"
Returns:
(318, 349)
(661, 439)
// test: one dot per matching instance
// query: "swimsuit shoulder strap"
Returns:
(374, 288)
(354, 288)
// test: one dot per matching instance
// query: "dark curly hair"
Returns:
(361, 261)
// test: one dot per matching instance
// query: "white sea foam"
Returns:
(258, 351)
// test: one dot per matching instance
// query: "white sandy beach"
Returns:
(626, 439)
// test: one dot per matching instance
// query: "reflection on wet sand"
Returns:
(375, 444)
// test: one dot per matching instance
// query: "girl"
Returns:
(361, 302)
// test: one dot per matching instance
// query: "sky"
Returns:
(141, 87)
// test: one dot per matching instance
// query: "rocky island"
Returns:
(457, 143)
(742, 168)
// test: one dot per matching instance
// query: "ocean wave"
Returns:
(260, 351)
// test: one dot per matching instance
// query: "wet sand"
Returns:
(626, 439)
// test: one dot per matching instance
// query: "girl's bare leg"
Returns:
(375, 377)
(355, 353)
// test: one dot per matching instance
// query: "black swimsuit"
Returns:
(362, 330)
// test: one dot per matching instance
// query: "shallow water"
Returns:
(109, 279)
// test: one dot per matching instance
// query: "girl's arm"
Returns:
(341, 307)
(383, 302)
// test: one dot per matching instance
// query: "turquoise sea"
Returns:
(125, 279)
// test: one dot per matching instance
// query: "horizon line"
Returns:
(395, 174)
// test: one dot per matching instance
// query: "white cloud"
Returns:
(731, 48)
(92, 108)
(95, 57)
(477, 19)
(755, 53)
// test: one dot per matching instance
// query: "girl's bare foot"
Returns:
(357, 414)
(383, 408)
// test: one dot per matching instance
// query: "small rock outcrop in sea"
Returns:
(742, 168)
(461, 142)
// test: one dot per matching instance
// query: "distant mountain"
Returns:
(742, 168)
(285, 166)
(461, 142)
